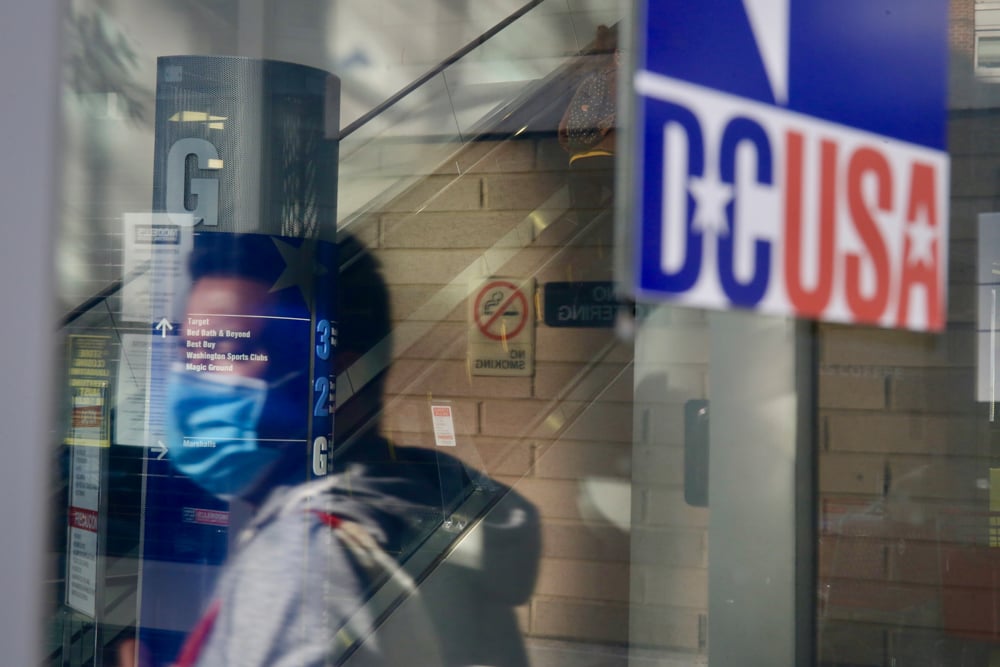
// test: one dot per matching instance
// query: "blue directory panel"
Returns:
(249, 381)
(791, 158)
(239, 261)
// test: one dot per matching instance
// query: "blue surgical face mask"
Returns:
(212, 427)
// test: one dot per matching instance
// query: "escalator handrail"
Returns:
(437, 69)
(92, 302)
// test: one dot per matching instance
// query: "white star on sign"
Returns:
(711, 197)
(922, 237)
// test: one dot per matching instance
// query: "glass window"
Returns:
(988, 51)
(906, 442)
(343, 379)
(347, 376)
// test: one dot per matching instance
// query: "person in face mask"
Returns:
(234, 425)
(308, 580)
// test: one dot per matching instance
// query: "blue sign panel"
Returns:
(792, 160)
(245, 191)
(250, 386)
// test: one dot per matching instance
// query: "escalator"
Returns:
(388, 206)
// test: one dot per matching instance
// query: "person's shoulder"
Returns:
(306, 507)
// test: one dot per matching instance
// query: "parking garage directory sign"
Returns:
(791, 158)
(259, 316)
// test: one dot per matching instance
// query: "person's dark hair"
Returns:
(364, 322)
(363, 308)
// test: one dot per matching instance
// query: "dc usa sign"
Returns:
(791, 158)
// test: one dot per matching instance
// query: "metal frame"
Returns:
(761, 603)
(29, 75)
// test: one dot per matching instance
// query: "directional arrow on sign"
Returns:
(161, 448)
(163, 326)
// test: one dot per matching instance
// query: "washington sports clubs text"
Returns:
(751, 205)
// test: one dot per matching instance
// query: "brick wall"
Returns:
(905, 451)
(961, 26)
(906, 573)
(903, 445)
(563, 437)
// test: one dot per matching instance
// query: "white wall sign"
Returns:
(83, 519)
(154, 271)
(444, 426)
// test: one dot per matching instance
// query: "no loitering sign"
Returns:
(502, 328)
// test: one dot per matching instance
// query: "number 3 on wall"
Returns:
(323, 345)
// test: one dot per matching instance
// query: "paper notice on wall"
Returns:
(89, 361)
(83, 519)
(142, 392)
(154, 266)
(444, 426)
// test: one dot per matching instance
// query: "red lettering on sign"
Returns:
(211, 517)
(867, 161)
(810, 302)
(86, 417)
(83, 519)
(206, 517)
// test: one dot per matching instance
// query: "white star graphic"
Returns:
(922, 236)
(711, 197)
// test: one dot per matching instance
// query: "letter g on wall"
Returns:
(203, 191)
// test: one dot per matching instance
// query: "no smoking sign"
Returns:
(501, 327)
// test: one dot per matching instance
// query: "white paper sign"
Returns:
(444, 426)
(154, 271)
(82, 514)
(141, 403)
